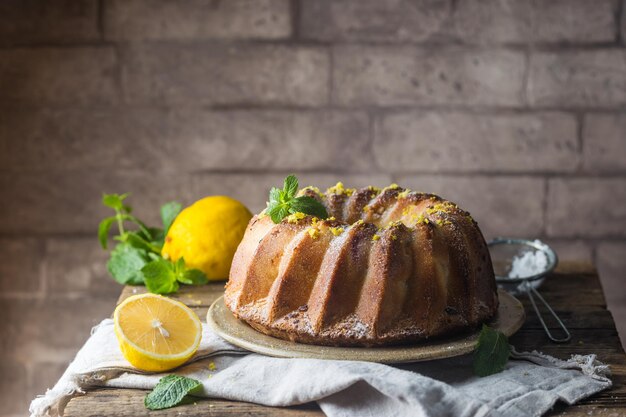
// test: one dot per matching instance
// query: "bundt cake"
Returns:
(387, 267)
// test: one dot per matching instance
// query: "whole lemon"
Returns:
(206, 234)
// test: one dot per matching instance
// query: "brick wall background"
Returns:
(515, 109)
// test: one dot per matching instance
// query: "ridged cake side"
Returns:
(389, 266)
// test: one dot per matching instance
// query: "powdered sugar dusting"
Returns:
(528, 264)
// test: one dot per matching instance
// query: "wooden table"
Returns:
(573, 290)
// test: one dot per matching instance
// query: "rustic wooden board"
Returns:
(574, 290)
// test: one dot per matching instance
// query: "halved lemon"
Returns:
(156, 333)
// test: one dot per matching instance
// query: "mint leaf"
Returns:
(103, 231)
(160, 277)
(115, 201)
(170, 391)
(278, 212)
(125, 264)
(169, 212)
(491, 353)
(193, 277)
(308, 205)
(282, 202)
(290, 187)
(275, 196)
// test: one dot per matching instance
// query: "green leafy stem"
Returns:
(136, 259)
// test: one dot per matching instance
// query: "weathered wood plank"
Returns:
(129, 403)
(125, 403)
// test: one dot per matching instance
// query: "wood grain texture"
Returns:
(574, 291)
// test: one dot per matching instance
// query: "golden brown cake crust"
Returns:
(389, 267)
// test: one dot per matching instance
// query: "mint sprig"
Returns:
(491, 353)
(284, 202)
(170, 391)
(163, 277)
(136, 259)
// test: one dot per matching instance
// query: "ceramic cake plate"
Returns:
(508, 320)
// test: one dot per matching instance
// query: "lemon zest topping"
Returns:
(313, 232)
(295, 217)
(336, 230)
(310, 187)
(404, 194)
(395, 223)
(339, 189)
(444, 207)
(421, 219)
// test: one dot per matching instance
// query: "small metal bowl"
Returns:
(503, 252)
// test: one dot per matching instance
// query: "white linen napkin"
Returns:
(529, 386)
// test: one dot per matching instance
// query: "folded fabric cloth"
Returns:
(529, 386)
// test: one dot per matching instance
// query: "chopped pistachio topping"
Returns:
(375, 238)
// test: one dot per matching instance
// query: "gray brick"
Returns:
(574, 21)
(578, 78)
(544, 21)
(469, 21)
(28, 334)
(288, 140)
(70, 76)
(21, 273)
(74, 139)
(373, 20)
(492, 21)
(183, 140)
(586, 207)
(445, 141)
(13, 385)
(253, 189)
(623, 24)
(604, 142)
(70, 202)
(226, 74)
(36, 21)
(77, 266)
(234, 19)
(611, 258)
(502, 206)
(403, 75)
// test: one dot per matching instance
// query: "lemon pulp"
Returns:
(156, 333)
